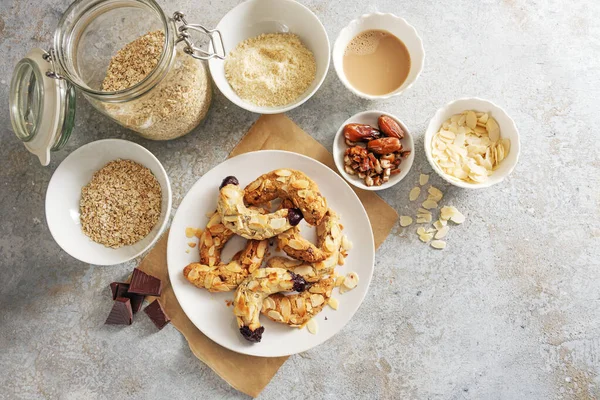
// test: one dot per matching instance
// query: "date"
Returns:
(389, 127)
(385, 146)
(361, 133)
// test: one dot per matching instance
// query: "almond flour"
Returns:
(270, 70)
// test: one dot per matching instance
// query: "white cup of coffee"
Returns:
(378, 56)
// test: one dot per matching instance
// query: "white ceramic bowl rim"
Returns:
(433, 127)
(340, 70)
(165, 187)
(215, 64)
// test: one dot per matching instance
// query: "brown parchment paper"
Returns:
(251, 374)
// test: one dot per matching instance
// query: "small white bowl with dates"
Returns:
(472, 143)
(399, 154)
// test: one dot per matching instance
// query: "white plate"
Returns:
(371, 118)
(64, 192)
(209, 312)
(254, 17)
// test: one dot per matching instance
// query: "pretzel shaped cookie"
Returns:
(227, 277)
(251, 223)
(288, 184)
(250, 294)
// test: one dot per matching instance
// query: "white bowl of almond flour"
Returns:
(108, 202)
(277, 55)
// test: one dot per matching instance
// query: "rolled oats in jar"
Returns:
(174, 106)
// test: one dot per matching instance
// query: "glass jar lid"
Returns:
(42, 105)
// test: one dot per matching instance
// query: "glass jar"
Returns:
(129, 60)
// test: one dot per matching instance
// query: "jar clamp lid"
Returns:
(42, 106)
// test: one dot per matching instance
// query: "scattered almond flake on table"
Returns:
(421, 218)
(312, 326)
(405, 220)
(438, 244)
(414, 193)
(439, 224)
(421, 210)
(435, 194)
(429, 204)
(442, 232)
(423, 179)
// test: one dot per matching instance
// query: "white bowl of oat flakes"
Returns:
(472, 143)
(277, 55)
(108, 202)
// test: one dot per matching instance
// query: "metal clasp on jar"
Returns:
(190, 48)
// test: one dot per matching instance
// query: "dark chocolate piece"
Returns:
(230, 180)
(142, 283)
(121, 313)
(295, 216)
(252, 336)
(157, 314)
(113, 289)
(300, 285)
(121, 289)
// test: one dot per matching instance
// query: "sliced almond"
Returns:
(296, 244)
(312, 326)
(233, 267)
(275, 315)
(333, 303)
(351, 280)
(300, 184)
(316, 300)
(253, 186)
(268, 303)
(438, 244)
(423, 179)
(457, 218)
(425, 217)
(277, 223)
(286, 308)
(442, 232)
(493, 129)
(283, 172)
(346, 243)
(435, 192)
(429, 204)
(414, 193)
(421, 210)
(471, 119)
(426, 237)
(189, 232)
(405, 220)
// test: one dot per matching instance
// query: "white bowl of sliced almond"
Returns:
(472, 143)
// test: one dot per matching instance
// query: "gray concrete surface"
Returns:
(510, 310)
